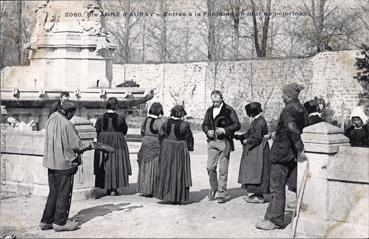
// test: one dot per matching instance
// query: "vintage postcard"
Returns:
(184, 118)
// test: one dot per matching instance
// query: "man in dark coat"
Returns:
(287, 146)
(219, 125)
(64, 96)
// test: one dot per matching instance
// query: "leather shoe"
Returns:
(222, 200)
(46, 226)
(254, 199)
(266, 225)
(69, 226)
(114, 193)
(212, 194)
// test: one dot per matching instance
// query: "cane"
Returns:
(299, 200)
(70, 194)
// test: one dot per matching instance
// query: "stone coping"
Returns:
(350, 164)
(322, 128)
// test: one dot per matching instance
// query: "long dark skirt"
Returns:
(112, 169)
(148, 161)
(174, 179)
(254, 172)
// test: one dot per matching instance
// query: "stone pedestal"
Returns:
(335, 200)
(22, 163)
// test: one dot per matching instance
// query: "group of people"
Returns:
(164, 158)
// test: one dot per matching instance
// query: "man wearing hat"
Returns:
(62, 146)
(287, 146)
(220, 123)
(64, 97)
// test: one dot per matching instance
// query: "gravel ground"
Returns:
(130, 215)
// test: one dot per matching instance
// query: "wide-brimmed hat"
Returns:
(312, 106)
(253, 109)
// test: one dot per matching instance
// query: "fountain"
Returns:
(68, 51)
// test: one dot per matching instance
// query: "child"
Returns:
(174, 179)
(358, 132)
(255, 164)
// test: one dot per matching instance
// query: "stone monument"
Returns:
(69, 51)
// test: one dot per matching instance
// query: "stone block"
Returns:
(322, 148)
(23, 142)
(314, 203)
(311, 228)
(318, 165)
(348, 202)
(24, 168)
(323, 128)
(350, 164)
(346, 230)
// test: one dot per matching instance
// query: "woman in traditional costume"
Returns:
(112, 169)
(148, 156)
(358, 132)
(174, 179)
(254, 170)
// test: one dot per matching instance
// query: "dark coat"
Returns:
(287, 140)
(112, 169)
(314, 119)
(227, 119)
(55, 107)
(358, 137)
(255, 163)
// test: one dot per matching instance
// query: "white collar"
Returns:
(253, 118)
(220, 106)
(153, 116)
(110, 111)
(316, 114)
(175, 118)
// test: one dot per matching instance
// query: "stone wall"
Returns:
(329, 75)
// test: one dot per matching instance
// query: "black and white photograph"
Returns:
(184, 119)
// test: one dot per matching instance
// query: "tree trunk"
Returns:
(256, 31)
(265, 30)
(163, 43)
(211, 31)
(236, 27)
(19, 37)
(127, 53)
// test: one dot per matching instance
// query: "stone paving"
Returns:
(130, 215)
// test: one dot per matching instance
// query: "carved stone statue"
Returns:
(91, 21)
(41, 19)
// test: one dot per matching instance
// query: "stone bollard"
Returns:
(84, 180)
(322, 142)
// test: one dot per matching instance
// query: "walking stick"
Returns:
(299, 200)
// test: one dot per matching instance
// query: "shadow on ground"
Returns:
(88, 214)
(130, 190)
(232, 193)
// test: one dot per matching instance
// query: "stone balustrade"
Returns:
(335, 199)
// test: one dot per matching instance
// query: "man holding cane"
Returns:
(287, 147)
(61, 158)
